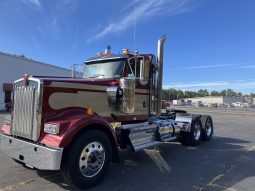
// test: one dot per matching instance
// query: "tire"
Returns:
(207, 131)
(87, 159)
(183, 138)
(193, 137)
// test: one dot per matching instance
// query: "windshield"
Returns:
(104, 69)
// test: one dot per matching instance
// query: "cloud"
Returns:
(205, 66)
(35, 42)
(40, 30)
(146, 10)
(35, 3)
(57, 22)
(67, 6)
(233, 84)
(75, 43)
(236, 66)
(54, 21)
(133, 3)
(248, 66)
(64, 9)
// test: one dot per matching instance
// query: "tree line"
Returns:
(173, 94)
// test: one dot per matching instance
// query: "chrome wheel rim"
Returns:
(208, 129)
(92, 159)
(197, 131)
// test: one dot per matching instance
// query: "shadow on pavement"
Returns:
(176, 167)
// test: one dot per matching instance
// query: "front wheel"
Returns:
(87, 159)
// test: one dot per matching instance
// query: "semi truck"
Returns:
(79, 125)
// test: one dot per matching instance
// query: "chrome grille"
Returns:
(25, 111)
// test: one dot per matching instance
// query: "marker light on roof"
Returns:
(125, 51)
(101, 54)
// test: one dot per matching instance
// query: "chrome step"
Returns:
(141, 135)
(147, 145)
(147, 134)
(170, 139)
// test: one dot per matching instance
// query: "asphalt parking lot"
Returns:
(224, 163)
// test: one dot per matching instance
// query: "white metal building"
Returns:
(13, 67)
(219, 100)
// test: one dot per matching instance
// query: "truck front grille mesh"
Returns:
(24, 112)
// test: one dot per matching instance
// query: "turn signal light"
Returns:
(107, 54)
(90, 111)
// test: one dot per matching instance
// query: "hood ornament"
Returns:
(26, 81)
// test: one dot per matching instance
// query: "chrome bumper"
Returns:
(31, 154)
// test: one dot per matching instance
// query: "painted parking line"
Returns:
(215, 180)
(19, 184)
(12, 187)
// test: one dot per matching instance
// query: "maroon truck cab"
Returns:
(77, 125)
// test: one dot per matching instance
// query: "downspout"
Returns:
(161, 43)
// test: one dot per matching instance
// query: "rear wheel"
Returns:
(207, 131)
(87, 159)
(193, 137)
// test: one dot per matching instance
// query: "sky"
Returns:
(210, 43)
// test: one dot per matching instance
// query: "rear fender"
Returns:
(187, 118)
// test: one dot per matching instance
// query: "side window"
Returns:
(137, 71)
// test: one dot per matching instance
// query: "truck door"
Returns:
(140, 70)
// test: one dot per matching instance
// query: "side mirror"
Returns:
(128, 98)
(114, 96)
(144, 70)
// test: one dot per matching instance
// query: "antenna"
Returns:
(135, 29)
(73, 67)
(75, 44)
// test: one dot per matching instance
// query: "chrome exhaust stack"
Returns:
(161, 43)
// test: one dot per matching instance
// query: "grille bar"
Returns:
(24, 112)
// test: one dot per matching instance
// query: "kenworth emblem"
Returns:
(26, 81)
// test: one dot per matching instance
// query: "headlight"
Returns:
(51, 128)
